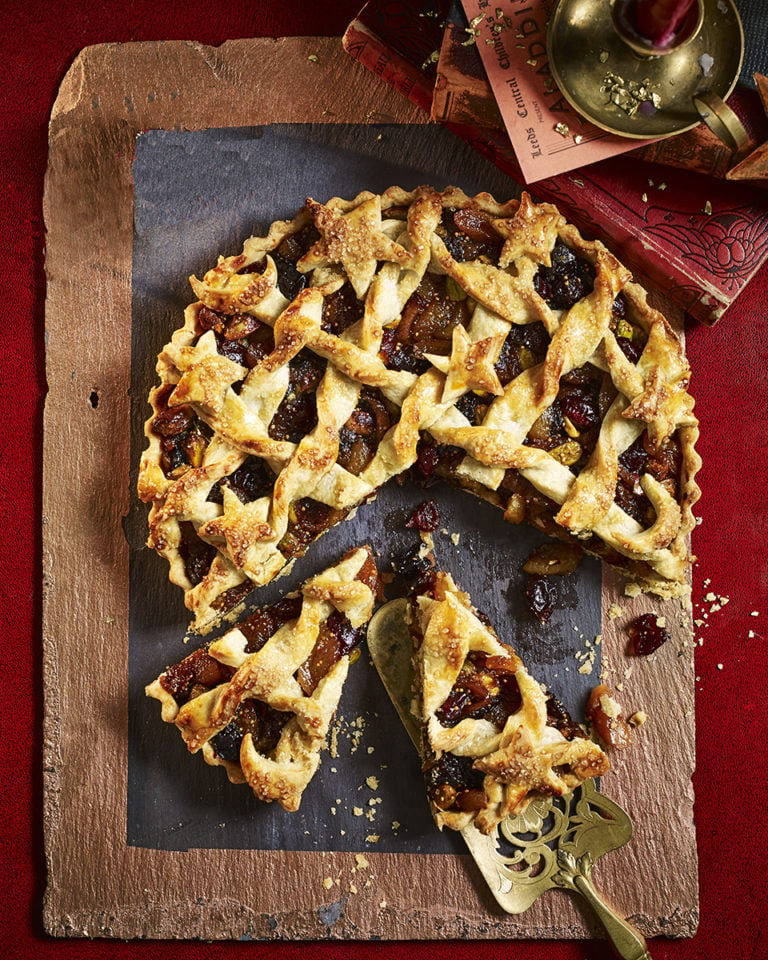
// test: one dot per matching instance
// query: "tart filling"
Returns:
(492, 739)
(486, 343)
(259, 700)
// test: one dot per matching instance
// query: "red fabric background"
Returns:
(39, 41)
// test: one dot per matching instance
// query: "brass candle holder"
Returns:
(626, 87)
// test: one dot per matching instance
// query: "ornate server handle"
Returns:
(628, 942)
(575, 873)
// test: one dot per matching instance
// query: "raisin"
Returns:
(172, 421)
(289, 281)
(646, 635)
(426, 517)
(541, 597)
(473, 406)
(252, 479)
(566, 281)
(417, 571)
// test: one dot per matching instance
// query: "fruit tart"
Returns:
(492, 738)
(486, 343)
(259, 700)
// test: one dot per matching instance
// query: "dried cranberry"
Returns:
(634, 458)
(426, 517)
(646, 635)
(427, 459)
(629, 348)
(541, 597)
(580, 409)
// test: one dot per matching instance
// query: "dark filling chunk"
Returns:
(309, 518)
(289, 281)
(239, 337)
(336, 639)
(194, 675)
(183, 437)
(361, 435)
(566, 281)
(263, 722)
(525, 346)
(253, 479)
(468, 234)
(485, 689)
(297, 414)
(662, 464)
(426, 324)
(196, 553)
(341, 309)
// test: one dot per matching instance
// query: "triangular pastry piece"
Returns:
(259, 700)
(492, 738)
(488, 343)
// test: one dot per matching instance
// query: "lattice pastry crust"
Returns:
(486, 342)
(259, 700)
(521, 754)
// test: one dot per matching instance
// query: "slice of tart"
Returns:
(259, 700)
(485, 342)
(492, 738)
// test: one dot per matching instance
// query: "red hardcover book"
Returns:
(698, 239)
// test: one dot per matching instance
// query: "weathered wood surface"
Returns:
(98, 885)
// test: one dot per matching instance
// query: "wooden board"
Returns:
(112, 871)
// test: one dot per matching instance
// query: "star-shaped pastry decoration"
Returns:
(470, 366)
(353, 239)
(528, 232)
(243, 526)
(755, 165)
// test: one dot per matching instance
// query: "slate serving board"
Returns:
(162, 157)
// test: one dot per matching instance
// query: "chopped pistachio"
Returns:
(453, 289)
(527, 358)
(624, 329)
(567, 453)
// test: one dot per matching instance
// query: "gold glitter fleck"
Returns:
(563, 129)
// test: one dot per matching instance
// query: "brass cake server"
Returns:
(553, 843)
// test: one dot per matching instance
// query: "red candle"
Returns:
(659, 20)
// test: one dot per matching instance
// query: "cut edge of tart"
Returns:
(259, 700)
(492, 738)
(487, 343)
